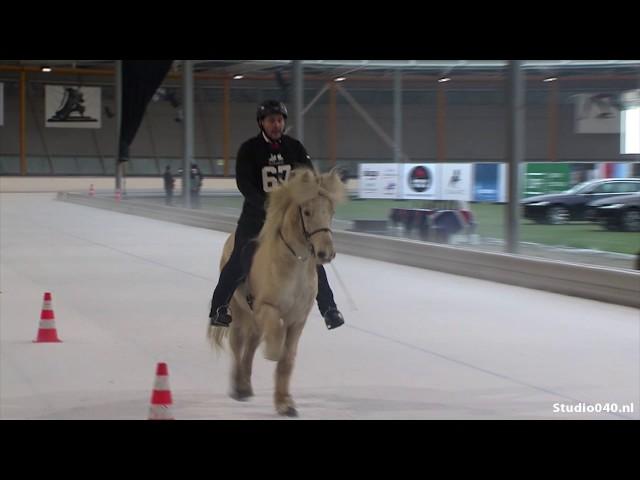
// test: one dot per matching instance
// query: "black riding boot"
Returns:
(221, 317)
(332, 317)
(232, 274)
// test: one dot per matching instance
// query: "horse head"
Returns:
(308, 202)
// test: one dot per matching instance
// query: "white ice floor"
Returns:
(130, 291)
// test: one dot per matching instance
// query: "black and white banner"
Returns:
(72, 106)
(429, 181)
(378, 180)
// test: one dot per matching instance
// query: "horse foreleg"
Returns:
(252, 341)
(268, 318)
(240, 380)
(282, 398)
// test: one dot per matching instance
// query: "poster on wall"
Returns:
(597, 113)
(378, 180)
(1, 104)
(420, 181)
(72, 106)
(490, 182)
(542, 178)
(455, 181)
(486, 182)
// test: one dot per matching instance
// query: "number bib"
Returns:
(273, 175)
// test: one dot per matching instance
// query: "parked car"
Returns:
(618, 213)
(559, 208)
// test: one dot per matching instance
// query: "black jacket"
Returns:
(168, 180)
(260, 165)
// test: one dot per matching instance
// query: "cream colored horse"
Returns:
(282, 281)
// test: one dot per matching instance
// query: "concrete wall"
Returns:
(475, 130)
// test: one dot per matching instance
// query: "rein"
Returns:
(307, 237)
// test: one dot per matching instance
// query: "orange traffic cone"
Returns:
(92, 191)
(161, 397)
(47, 332)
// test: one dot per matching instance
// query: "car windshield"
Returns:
(579, 188)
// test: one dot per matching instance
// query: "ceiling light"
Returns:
(46, 69)
(444, 79)
(238, 77)
(550, 79)
(340, 79)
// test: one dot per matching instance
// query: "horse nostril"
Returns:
(321, 254)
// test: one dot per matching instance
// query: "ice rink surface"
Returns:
(129, 292)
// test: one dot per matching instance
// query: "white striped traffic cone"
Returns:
(161, 397)
(47, 332)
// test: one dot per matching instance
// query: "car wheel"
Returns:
(557, 215)
(631, 220)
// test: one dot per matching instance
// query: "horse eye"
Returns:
(307, 213)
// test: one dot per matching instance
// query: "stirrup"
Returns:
(221, 318)
(333, 318)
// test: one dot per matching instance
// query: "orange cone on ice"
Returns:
(47, 332)
(161, 397)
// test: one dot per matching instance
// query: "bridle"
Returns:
(307, 237)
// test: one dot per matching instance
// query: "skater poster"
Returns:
(455, 181)
(72, 107)
(597, 113)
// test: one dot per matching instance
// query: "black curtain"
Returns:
(140, 80)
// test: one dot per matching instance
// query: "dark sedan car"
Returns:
(559, 208)
(618, 213)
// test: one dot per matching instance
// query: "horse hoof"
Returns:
(288, 412)
(241, 396)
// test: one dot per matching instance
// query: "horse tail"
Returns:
(216, 336)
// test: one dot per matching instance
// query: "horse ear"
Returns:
(340, 173)
(307, 176)
(332, 183)
(304, 175)
(303, 186)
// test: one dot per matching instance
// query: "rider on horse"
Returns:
(263, 162)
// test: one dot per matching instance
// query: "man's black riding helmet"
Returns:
(269, 107)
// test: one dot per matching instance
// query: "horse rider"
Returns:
(263, 162)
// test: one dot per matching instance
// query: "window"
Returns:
(630, 187)
(630, 123)
(611, 187)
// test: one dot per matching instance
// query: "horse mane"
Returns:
(303, 185)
